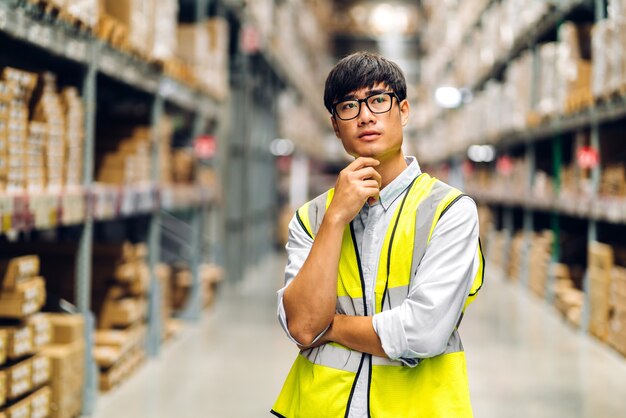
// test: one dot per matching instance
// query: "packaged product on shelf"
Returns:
(3, 389)
(3, 347)
(193, 45)
(23, 300)
(41, 370)
(617, 323)
(539, 265)
(68, 375)
(137, 16)
(600, 262)
(19, 409)
(600, 36)
(18, 269)
(129, 163)
(86, 11)
(19, 379)
(40, 403)
(515, 259)
(19, 341)
(567, 299)
(613, 181)
(74, 112)
(165, 24)
(41, 329)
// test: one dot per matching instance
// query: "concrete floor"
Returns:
(523, 361)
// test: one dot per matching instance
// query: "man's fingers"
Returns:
(371, 184)
(363, 162)
(369, 173)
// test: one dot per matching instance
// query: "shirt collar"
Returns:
(389, 194)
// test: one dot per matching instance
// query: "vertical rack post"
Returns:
(557, 162)
(193, 306)
(155, 325)
(83, 257)
(528, 218)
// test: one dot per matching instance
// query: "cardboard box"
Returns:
(122, 313)
(40, 402)
(19, 379)
(19, 341)
(20, 409)
(4, 346)
(18, 270)
(27, 298)
(41, 370)
(42, 330)
(67, 361)
(66, 328)
(3, 387)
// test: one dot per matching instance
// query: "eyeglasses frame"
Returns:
(392, 94)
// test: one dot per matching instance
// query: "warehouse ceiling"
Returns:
(390, 28)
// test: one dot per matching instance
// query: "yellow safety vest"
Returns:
(321, 381)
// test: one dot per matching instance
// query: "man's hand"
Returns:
(355, 185)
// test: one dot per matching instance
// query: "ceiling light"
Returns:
(386, 19)
(448, 97)
(282, 147)
(481, 153)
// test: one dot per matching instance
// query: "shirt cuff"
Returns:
(393, 338)
(282, 318)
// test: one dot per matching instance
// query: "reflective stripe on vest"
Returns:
(321, 381)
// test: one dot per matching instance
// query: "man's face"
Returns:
(376, 135)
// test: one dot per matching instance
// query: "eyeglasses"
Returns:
(376, 103)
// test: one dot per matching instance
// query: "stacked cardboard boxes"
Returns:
(24, 378)
(137, 19)
(515, 259)
(599, 270)
(19, 86)
(120, 338)
(539, 265)
(567, 299)
(210, 276)
(74, 111)
(617, 323)
(129, 160)
(67, 357)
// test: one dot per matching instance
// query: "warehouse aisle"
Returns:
(523, 361)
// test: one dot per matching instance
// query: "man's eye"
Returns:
(348, 106)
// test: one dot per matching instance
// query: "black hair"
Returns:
(362, 70)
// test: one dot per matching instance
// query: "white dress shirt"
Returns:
(422, 325)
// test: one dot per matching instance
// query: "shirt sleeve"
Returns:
(298, 247)
(422, 325)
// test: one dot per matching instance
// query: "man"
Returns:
(379, 270)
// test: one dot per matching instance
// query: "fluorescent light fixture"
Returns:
(386, 18)
(448, 97)
(481, 153)
(282, 147)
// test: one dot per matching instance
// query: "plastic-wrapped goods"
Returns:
(600, 69)
(520, 77)
(165, 25)
(87, 11)
(548, 79)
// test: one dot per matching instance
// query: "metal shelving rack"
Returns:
(594, 209)
(105, 203)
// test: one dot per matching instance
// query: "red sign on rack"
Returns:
(588, 157)
(205, 147)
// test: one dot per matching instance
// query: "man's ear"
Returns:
(405, 109)
(335, 126)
